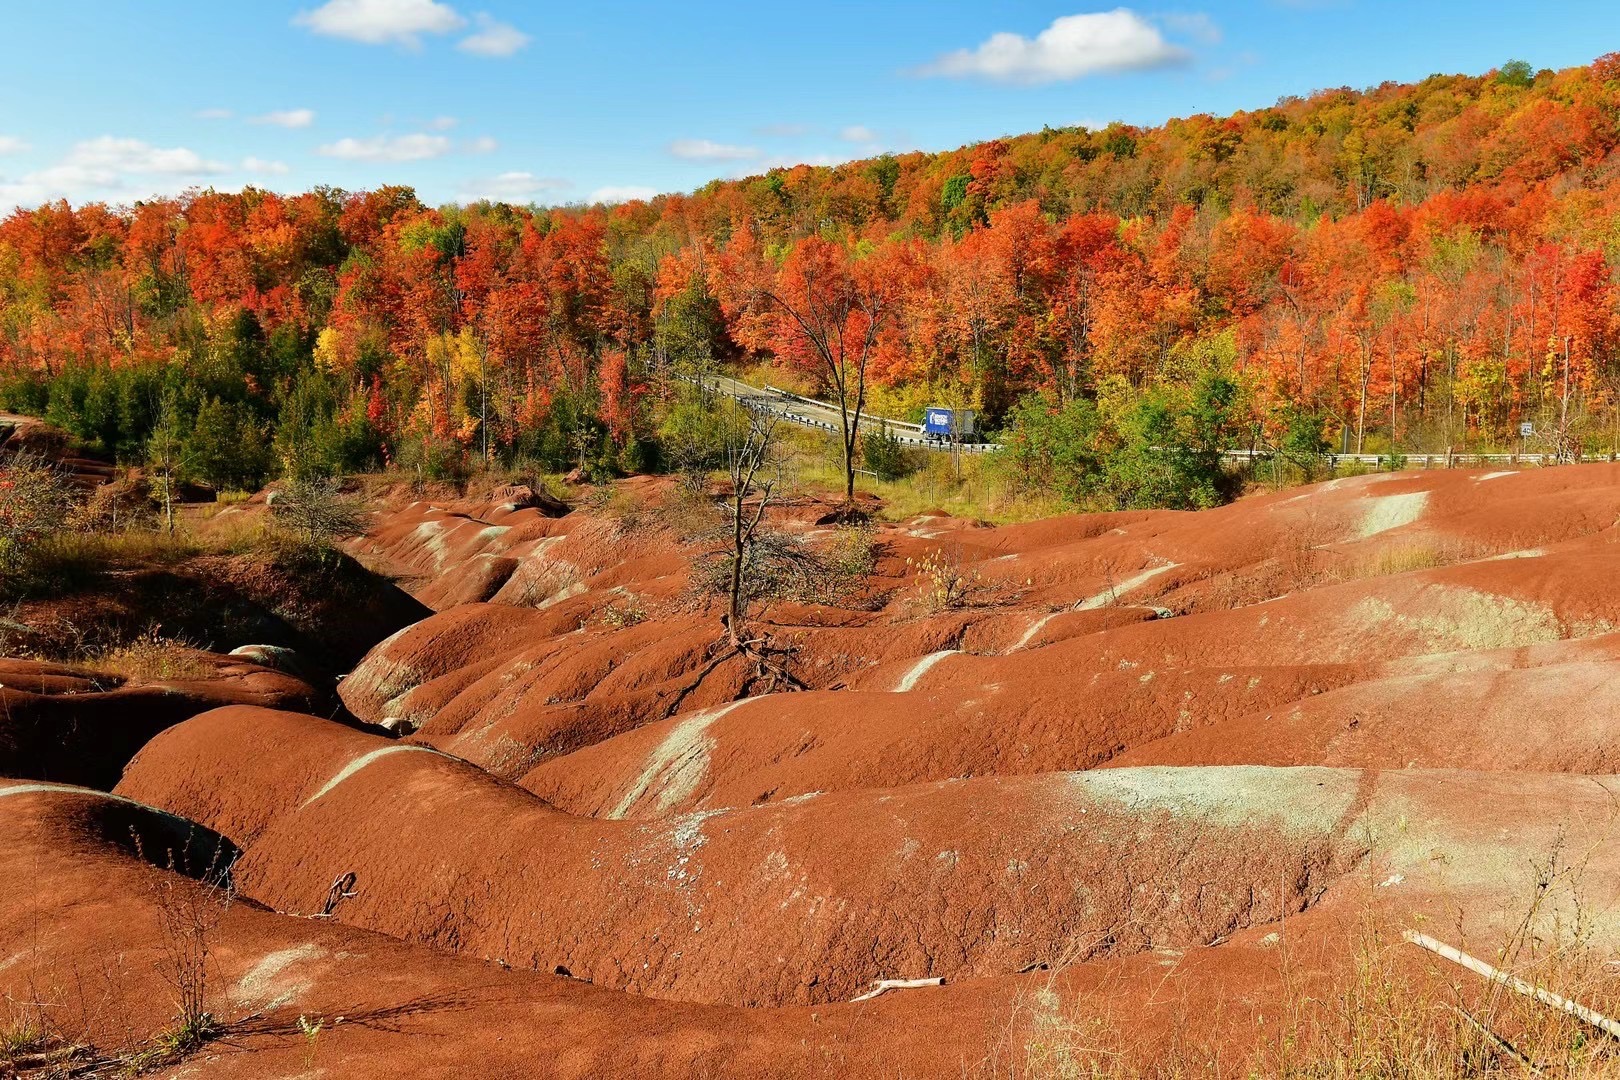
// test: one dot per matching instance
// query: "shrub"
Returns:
(853, 550)
(35, 501)
(152, 657)
(318, 510)
(693, 433)
(124, 503)
(429, 457)
(1051, 447)
(1304, 447)
(885, 455)
(1130, 449)
(945, 582)
(628, 613)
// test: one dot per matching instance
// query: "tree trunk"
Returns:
(739, 555)
(1361, 413)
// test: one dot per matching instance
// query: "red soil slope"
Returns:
(76, 726)
(84, 941)
(1146, 750)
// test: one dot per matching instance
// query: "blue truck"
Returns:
(947, 425)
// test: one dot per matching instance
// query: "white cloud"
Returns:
(858, 133)
(135, 156)
(417, 147)
(513, 187)
(382, 22)
(113, 168)
(618, 193)
(287, 118)
(441, 123)
(214, 114)
(268, 168)
(1072, 47)
(484, 144)
(11, 144)
(707, 150)
(493, 38)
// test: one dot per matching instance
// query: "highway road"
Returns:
(820, 414)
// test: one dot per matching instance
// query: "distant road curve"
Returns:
(820, 414)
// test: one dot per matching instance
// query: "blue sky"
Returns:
(560, 103)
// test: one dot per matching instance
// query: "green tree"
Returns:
(1303, 447)
(227, 446)
(1516, 73)
(168, 457)
(885, 455)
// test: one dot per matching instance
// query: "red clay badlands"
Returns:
(1156, 769)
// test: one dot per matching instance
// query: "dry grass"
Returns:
(126, 548)
(813, 465)
(1389, 1010)
(1293, 563)
(1303, 559)
(1425, 555)
(627, 612)
(944, 581)
(546, 580)
(153, 658)
(623, 510)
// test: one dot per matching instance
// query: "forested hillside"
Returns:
(1406, 267)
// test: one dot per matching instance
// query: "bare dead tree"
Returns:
(750, 560)
(754, 476)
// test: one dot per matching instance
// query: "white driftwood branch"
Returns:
(885, 985)
(1516, 984)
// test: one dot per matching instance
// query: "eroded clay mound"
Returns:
(791, 848)
(95, 902)
(521, 548)
(810, 899)
(776, 747)
(435, 647)
(1353, 573)
(804, 901)
(76, 726)
(28, 435)
(1488, 604)
(1266, 546)
(1553, 709)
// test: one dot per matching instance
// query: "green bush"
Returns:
(1304, 445)
(1133, 449)
(323, 431)
(228, 448)
(22, 394)
(885, 455)
(693, 434)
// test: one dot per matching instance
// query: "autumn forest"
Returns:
(1409, 268)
